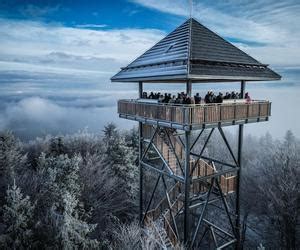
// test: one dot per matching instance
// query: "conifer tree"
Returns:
(120, 157)
(17, 216)
(11, 161)
(59, 204)
(71, 231)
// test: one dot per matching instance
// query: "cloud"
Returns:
(269, 22)
(36, 116)
(62, 49)
(34, 11)
(91, 26)
(44, 59)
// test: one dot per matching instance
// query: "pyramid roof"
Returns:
(193, 52)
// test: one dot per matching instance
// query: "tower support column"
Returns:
(238, 184)
(140, 155)
(189, 88)
(187, 185)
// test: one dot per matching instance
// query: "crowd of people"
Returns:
(183, 98)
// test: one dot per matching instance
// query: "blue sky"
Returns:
(115, 14)
(56, 57)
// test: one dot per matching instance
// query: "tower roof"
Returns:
(193, 52)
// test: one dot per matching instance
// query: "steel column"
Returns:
(238, 184)
(189, 88)
(187, 185)
(140, 155)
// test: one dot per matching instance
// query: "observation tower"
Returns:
(190, 197)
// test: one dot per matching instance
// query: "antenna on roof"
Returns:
(191, 8)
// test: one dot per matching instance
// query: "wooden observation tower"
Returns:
(194, 199)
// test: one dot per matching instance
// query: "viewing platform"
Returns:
(194, 116)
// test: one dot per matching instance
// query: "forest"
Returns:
(80, 191)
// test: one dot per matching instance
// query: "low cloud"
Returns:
(36, 116)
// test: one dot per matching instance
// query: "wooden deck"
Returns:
(189, 117)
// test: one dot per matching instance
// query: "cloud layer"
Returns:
(35, 46)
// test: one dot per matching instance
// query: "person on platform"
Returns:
(197, 98)
(188, 100)
(173, 99)
(219, 98)
(160, 98)
(213, 97)
(207, 97)
(151, 96)
(227, 96)
(247, 97)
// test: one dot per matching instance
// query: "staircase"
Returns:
(162, 218)
(161, 214)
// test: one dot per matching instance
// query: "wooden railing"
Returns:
(195, 114)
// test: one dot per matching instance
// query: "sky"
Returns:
(57, 57)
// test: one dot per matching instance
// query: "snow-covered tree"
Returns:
(110, 130)
(103, 194)
(59, 204)
(71, 232)
(17, 216)
(120, 157)
(282, 191)
(12, 160)
(271, 195)
(59, 175)
(57, 146)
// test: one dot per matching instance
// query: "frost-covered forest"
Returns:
(80, 191)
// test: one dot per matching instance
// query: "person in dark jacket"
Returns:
(197, 98)
(188, 100)
(213, 97)
(232, 95)
(219, 98)
(207, 97)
